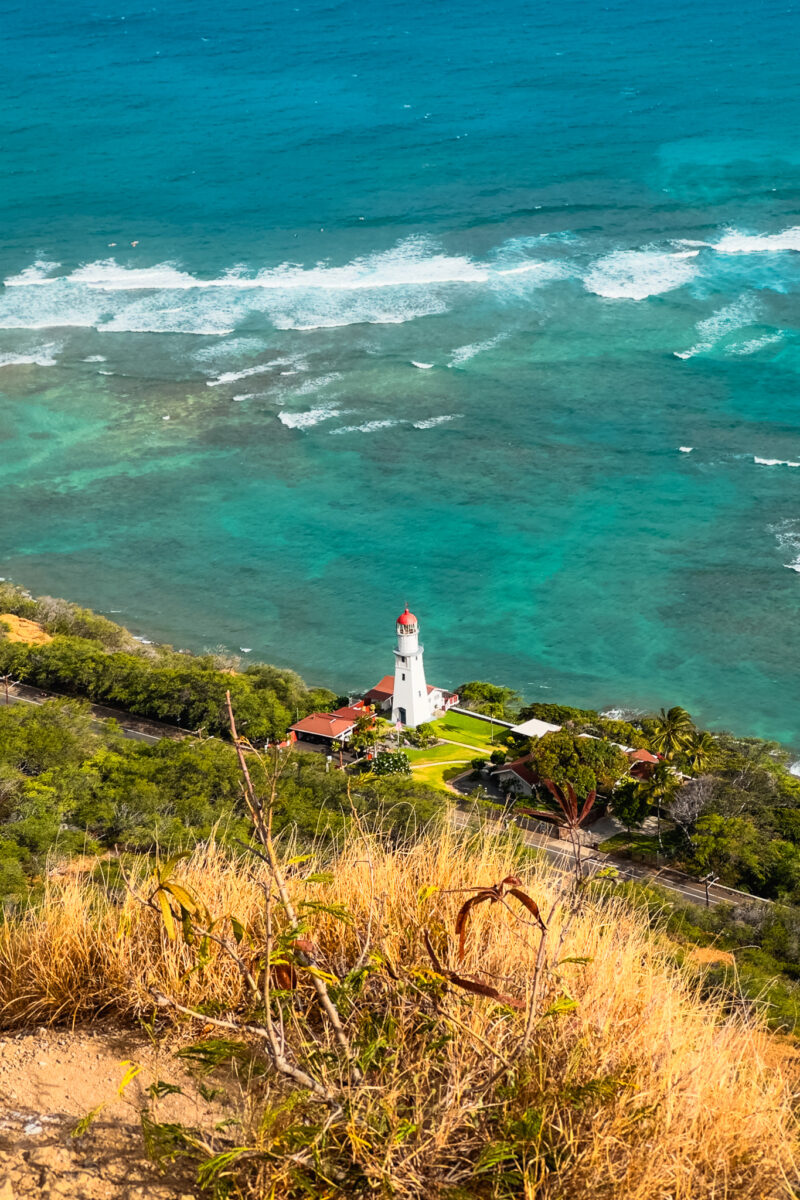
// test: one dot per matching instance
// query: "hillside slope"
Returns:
(627, 1086)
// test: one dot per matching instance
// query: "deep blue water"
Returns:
(582, 219)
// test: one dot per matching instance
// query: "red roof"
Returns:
(642, 756)
(407, 618)
(383, 689)
(521, 768)
(352, 712)
(328, 725)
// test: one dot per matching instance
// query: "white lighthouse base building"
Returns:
(406, 694)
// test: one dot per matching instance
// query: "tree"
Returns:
(659, 789)
(690, 801)
(365, 733)
(586, 763)
(673, 732)
(732, 848)
(630, 804)
(489, 698)
(392, 762)
(700, 750)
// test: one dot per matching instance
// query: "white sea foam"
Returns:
(686, 449)
(787, 535)
(422, 366)
(305, 420)
(774, 462)
(431, 422)
(738, 315)
(464, 353)
(312, 385)
(40, 356)
(387, 287)
(38, 272)
(753, 345)
(414, 278)
(95, 358)
(249, 396)
(733, 241)
(367, 427)
(245, 373)
(232, 347)
(637, 274)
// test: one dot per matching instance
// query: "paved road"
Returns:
(560, 854)
(136, 728)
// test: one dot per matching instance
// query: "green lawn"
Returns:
(459, 728)
(429, 766)
(434, 773)
(443, 753)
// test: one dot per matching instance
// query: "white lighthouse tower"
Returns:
(411, 703)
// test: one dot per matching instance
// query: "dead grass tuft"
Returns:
(631, 1087)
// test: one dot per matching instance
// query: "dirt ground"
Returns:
(50, 1079)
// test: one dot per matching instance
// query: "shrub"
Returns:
(392, 762)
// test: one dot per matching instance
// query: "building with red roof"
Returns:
(322, 729)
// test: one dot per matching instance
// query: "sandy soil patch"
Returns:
(19, 629)
(50, 1079)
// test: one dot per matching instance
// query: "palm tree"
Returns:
(674, 732)
(660, 788)
(700, 751)
(494, 710)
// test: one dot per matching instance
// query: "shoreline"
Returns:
(614, 711)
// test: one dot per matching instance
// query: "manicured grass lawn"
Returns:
(443, 753)
(434, 773)
(429, 766)
(460, 728)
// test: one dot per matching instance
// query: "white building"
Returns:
(406, 695)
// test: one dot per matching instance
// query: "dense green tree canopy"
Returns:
(587, 763)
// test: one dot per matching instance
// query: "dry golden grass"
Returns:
(641, 1092)
(19, 629)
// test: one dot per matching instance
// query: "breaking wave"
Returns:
(431, 422)
(305, 420)
(637, 274)
(787, 535)
(40, 356)
(774, 462)
(735, 242)
(753, 345)
(738, 315)
(367, 427)
(465, 353)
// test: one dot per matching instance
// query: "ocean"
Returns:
(313, 310)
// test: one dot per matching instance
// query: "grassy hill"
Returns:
(603, 1069)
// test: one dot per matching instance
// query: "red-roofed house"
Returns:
(517, 776)
(381, 694)
(323, 728)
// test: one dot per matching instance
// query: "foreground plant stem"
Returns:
(262, 823)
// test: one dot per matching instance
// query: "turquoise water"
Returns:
(432, 297)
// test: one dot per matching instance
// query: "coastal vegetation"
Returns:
(91, 657)
(135, 881)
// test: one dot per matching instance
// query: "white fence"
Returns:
(481, 716)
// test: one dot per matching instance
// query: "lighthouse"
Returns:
(411, 700)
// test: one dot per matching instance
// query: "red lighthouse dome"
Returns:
(406, 618)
